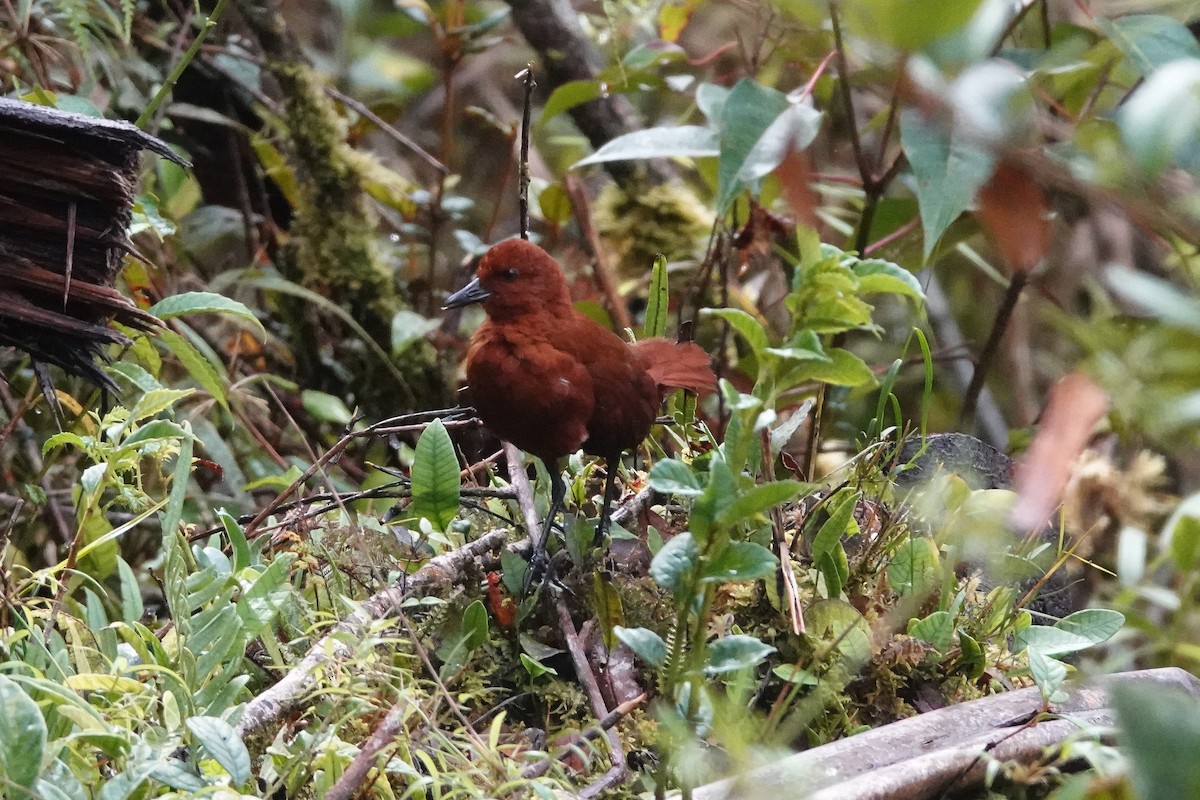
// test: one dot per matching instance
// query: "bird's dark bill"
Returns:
(473, 292)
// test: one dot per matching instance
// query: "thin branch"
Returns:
(605, 278)
(526, 77)
(988, 354)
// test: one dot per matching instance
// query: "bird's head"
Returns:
(515, 278)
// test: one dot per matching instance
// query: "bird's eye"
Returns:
(510, 273)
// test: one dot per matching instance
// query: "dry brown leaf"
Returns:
(1012, 209)
(1074, 406)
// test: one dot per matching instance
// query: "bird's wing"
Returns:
(529, 392)
(677, 365)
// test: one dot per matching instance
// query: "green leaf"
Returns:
(793, 674)
(936, 630)
(569, 95)
(436, 486)
(155, 402)
(475, 625)
(237, 540)
(749, 110)
(409, 327)
(972, 662)
(949, 172)
(657, 300)
(156, 430)
(719, 494)
(1185, 543)
(908, 24)
(1049, 641)
(674, 562)
(325, 407)
(198, 367)
(831, 533)
(877, 275)
(745, 325)
(1160, 730)
(758, 499)
(740, 561)
(843, 369)
(1160, 122)
(735, 652)
(555, 204)
(645, 643)
(1149, 40)
(1048, 673)
(204, 303)
(23, 743)
(1094, 624)
(835, 569)
(674, 477)
(671, 142)
(535, 668)
(914, 567)
(136, 374)
(221, 742)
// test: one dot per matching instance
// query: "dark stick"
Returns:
(610, 483)
(988, 354)
(526, 77)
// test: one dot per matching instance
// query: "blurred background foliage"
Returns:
(1032, 166)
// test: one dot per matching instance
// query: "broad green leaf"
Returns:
(1160, 730)
(831, 533)
(325, 407)
(1048, 673)
(876, 275)
(1050, 641)
(657, 301)
(719, 495)
(409, 327)
(645, 643)
(1094, 624)
(23, 743)
(740, 561)
(673, 563)
(475, 625)
(569, 95)
(1149, 40)
(914, 566)
(670, 476)
(948, 169)
(837, 621)
(758, 499)
(935, 629)
(436, 486)
(749, 111)
(555, 204)
(156, 430)
(1185, 543)
(224, 745)
(843, 369)
(673, 142)
(735, 652)
(908, 24)
(1160, 122)
(155, 402)
(972, 661)
(135, 374)
(535, 668)
(204, 303)
(793, 674)
(91, 477)
(63, 439)
(745, 325)
(835, 570)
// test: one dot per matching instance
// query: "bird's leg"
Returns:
(610, 485)
(558, 494)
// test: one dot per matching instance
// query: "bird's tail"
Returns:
(672, 365)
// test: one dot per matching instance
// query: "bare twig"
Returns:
(388, 129)
(605, 278)
(520, 482)
(526, 77)
(583, 671)
(992, 345)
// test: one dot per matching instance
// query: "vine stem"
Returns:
(168, 85)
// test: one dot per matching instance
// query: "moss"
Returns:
(333, 233)
(640, 223)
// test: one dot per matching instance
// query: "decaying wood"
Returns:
(67, 186)
(942, 751)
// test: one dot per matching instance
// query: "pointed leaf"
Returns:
(735, 652)
(673, 142)
(221, 742)
(740, 561)
(436, 487)
(674, 477)
(23, 743)
(645, 643)
(758, 499)
(204, 302)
